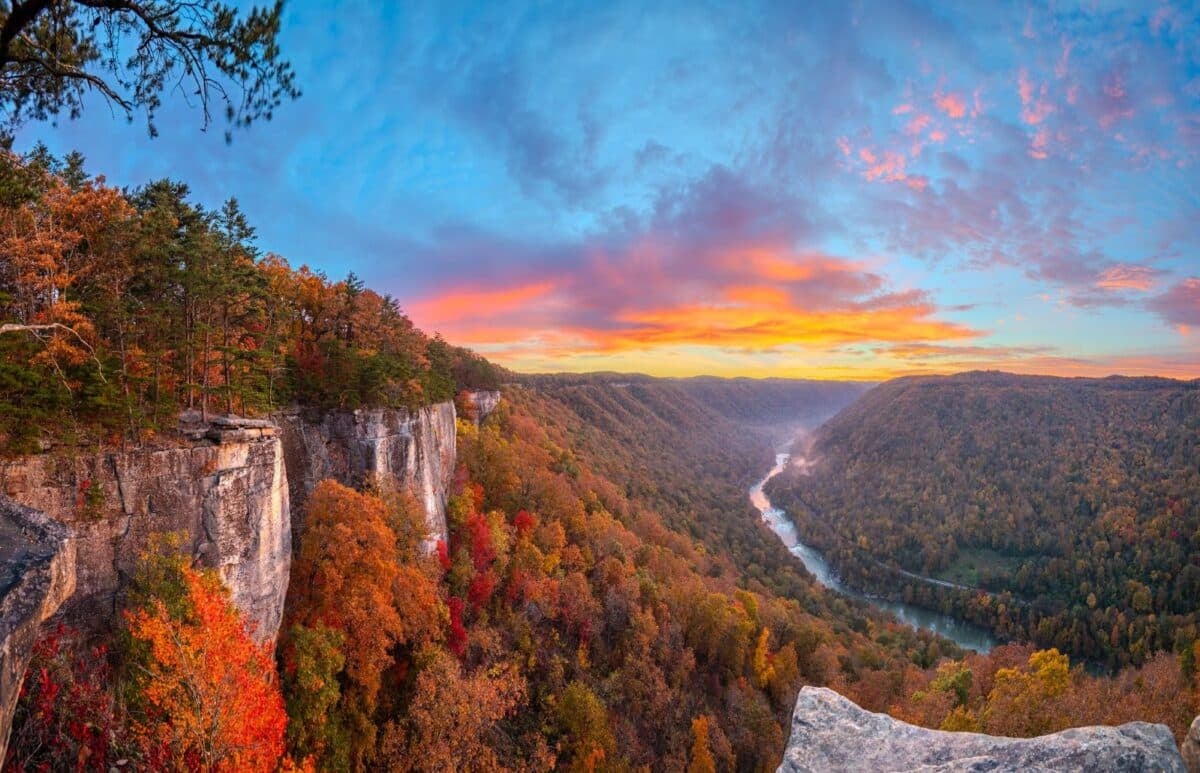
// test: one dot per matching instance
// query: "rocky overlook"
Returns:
(37, 572)
(830, 732)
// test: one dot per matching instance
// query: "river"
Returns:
(964, 634)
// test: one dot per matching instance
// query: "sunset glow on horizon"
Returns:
(851, 191)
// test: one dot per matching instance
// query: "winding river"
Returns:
(965, 634)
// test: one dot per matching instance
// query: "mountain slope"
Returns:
(1077, 501)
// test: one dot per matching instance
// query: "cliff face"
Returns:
(37, 572)
(231, 491)
(415, 449)
(830, 732)
(226, 495)
(485, 402)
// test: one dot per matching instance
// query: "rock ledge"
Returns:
(37, 572)
(830, 732)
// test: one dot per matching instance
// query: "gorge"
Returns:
(962, 633)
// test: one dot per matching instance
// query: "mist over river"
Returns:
(964, 634)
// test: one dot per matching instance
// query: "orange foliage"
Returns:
(450, 722)
(344, 577)
(211, 698)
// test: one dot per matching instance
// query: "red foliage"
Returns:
(456, 637)
(481, 589)
(524, 523)
(443, 555)
(66, 712)
(461, 476)
(516, 585)
(483, 549)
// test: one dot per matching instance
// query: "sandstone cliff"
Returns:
(829, 732)
(485, 402)
(225, 493)
(37, 572)
(416, 450)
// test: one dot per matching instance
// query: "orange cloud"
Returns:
(468, 304)
(1126, 277)
(748, 301)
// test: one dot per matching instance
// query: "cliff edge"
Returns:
(37, 573)
(830, 732)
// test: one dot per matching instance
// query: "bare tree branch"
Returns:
(36, 330)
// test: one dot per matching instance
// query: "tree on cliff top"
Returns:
(53, 52)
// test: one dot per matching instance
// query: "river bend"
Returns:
(964, 634)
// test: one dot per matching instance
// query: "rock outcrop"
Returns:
(416, 450)
(1191, 747)
(485, 401)
(831, 733)
(225, 493)
(37, 573)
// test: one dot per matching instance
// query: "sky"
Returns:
(824, 190)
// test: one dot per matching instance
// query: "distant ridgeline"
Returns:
(119, 309)
(1075, 501)
(774, 406)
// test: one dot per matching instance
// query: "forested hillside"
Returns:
(607, 600)
(774, 408)
(690, 448)
(1074, 502)
(120, 308)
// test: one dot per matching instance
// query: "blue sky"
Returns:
(831, 190)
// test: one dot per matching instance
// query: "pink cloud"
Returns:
(902, 109)
(977, 102)
(918, 124)
(1060, 67)
(1163, 17)
(1125, 276)
(889, 168)
(1179, 305)
(1114, 104)
(951, 104)
(1034, 106)
(1041, 140)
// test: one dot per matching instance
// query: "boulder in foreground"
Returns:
(831, 733)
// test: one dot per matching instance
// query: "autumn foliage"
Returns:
(209, 696)
(120, 308)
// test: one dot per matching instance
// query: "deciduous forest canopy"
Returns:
(1070, 508)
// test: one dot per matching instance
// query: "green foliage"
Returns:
(583, 721)
(310, 662)
(54, 53)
